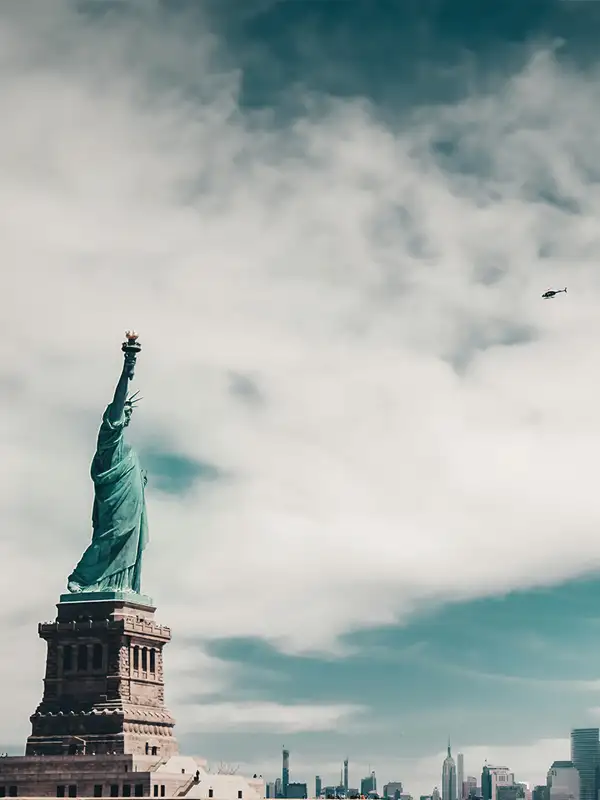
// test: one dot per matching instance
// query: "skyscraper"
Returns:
(285, 771)
(393, 790)
(486, 783)
(368, 784)
(460, 776)
(585, 755)
(318, 786)
(297, 791)
(470, 789)
(501, 779)
(564, 781)
(449, 777)
(346, 774)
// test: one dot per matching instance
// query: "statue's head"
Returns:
(130, 404)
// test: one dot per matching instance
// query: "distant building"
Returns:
(460, 776)
(527, 790)
(449, 777)
(285, 771)
(435, 795)
(564, 782)
(270, 790)
(393, 790)
(540, 792)
(297, 791)
(336, 791)
(493, 778)
(278, 787)
(514, 792)
(585, 755)
(486, 783)
(368, 784)
(345, 781)
(502, 779)
(470, 787)
(318, 786)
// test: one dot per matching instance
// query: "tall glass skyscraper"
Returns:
(486, 783)
(460, 775)
(285, 771)
(585, 755)
(449, 777)
(564, 781)
(368, 784)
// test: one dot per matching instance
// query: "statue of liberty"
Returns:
(113, 560)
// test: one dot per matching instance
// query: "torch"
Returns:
(131, 347)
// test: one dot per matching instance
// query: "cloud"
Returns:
(427, 426)
(274, 717)
(541, 684)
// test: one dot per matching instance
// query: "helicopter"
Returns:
(553, 292)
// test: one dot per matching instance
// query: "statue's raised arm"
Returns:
(131, 347)
(112, 562)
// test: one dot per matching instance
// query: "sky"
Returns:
(373, 450)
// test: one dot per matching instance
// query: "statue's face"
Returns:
(128, 413)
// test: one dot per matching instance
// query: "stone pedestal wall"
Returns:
(104, 683)
(88, 776)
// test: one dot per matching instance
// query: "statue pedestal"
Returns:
(104, 686)
(132, 598)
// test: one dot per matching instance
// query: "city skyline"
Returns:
(370, 445)
(585, 752)
(493, 779)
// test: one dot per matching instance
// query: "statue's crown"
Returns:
(133, 399)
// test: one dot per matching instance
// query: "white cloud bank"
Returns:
(272, 717)
(401, 452)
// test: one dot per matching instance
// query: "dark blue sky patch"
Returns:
(313, 680)
(175, 473)
(399, 53)
(534, 621)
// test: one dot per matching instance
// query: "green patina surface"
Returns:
(113, 561)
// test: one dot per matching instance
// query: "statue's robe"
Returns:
(113, 560)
